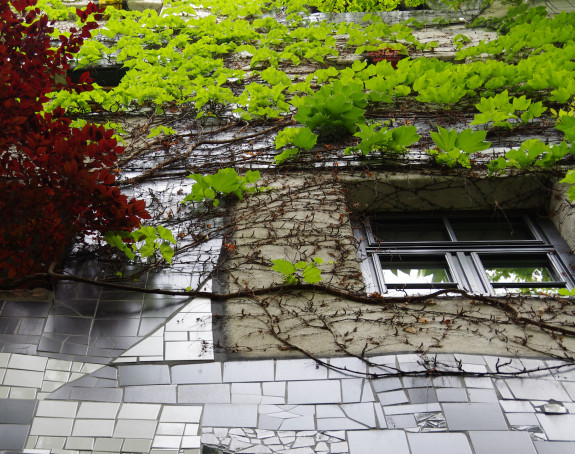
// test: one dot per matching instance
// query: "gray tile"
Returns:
(31, 326)
(522, 419)
(25, 309)
(299, 369)
(351, 390)
(400, 421)
(438, 443)
(451, 395)
(363, 413)
(417, 382)
(57, 427)
(144, 375)
(386, 384)
(55, 443)
(377, 442)
(93, 428)
(503, 390)
(197, 373)
(115, 327)
(329, 424)
(98, 394)
(135, 428)
(415, 408)
(393, 397)
(474, 416)
(80, 443)
(13, 436)
(570, 387)
(502, 442)
(421, 395)
(482, 395)
(536, 389)
(108, 444)
(63, 324)
(151, 394)
(267, 422)
(98, 410)
(171, 428)
(314, 392)
(230, 415)
(16, 411)
(139, 411)
(556, 447)
(249, 371)
(200, 394)
(447, 381)
(181, 413)
(516, 406)
(558, 427)
(137, 445)
(23, 378)
(305, 422)
(479, 382)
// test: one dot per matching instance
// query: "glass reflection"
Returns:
(416, 272)
(409, 230)
(503, 271)
(490, 229)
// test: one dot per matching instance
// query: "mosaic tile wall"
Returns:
(282, 406)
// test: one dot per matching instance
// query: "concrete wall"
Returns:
(309, 215)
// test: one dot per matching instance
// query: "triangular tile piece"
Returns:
(187, 335)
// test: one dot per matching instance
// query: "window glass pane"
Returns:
(490, 229)
(409, 230)
(514, 270)
(418, 271)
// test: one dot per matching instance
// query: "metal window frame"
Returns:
(463, 257)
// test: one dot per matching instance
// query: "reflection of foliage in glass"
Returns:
(519, 274)
(411, 275)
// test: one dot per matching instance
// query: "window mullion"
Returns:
(476, 269)
(449, 229)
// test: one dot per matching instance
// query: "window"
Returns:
(475, 252)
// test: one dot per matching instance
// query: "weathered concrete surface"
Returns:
(307, 216)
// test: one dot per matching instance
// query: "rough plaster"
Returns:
(307, 216)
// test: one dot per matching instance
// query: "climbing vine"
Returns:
(194, 82)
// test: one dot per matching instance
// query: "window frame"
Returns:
(463, 258)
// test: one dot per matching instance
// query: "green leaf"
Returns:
(521, 103)
(311, 274)
(286, 155)
(167, 252)
(567, 125)
(283, 266)
(569, 177)
(305, 138)
(404, 136)
(444, 139)
(300, 265)
(147, 250)
(166, 234)
(161, 129)
(472, 141)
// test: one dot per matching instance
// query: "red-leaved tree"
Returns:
(55, 180)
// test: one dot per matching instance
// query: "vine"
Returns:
(197, 82)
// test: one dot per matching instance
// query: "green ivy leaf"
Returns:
(167, 252)
(311, 274)
(472, 141)
(444, 139)
(166, 234)
(404, 136)
(284, 267)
